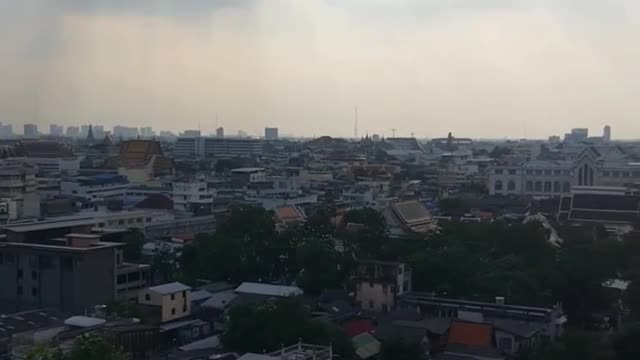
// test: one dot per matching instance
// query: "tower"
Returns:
(606, 134)
(90, 134)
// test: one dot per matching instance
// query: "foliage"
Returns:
(92, 346)
(259, 328)
(626, 343)
(398, 349)
(133, 240)
(575, 344)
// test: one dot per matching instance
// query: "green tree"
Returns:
(95, 347)
(42, 352)
(626, 343)
(398, 349)
(267, 327)
(133, 240)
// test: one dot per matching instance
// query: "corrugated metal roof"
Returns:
(268, 289)
(170, 288)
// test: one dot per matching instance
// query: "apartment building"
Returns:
(379, 283)
(172, 299)
(74, 273)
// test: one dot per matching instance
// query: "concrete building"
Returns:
(271, 133)
(172, 299)
(220, 132)
(248, 175)
(232, 147)
(606, 134)
(31, 131)
(191, 133)
(74, 273)
(95, 189)
(18, 190)
(379, 283)
(147, 132)
(48, 157)
(192, 195)
(189, 147)
(6, 131)
(604, 166)
(56, 130)
(124, 132)
(73, 131)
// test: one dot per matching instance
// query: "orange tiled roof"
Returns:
(466, 333)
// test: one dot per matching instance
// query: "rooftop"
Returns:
(170, 288)
(268, 289)
(473, 334)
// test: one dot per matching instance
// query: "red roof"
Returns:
(465, 333)
(356, 327)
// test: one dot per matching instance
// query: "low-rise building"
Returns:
(95, 189)
(172, 299)
(379, 283)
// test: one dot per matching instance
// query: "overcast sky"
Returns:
(478, 68)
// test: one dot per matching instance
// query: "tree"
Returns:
(319, 264)
(626, 344)
(42, 352)
(95, 347)
(399, 349)
(133, 240)
(267, 327)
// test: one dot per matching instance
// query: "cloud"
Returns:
(478, 68)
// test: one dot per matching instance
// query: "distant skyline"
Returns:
(477, 68)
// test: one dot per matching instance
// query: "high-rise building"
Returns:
(125, 132)
(56, 130)
(580, 134)
(31, 131)
(220, 132)
(191, 133)
(271, 133)
(146, 132)
(606, 134)
(98, 132)
(73, 131)
(6, 131)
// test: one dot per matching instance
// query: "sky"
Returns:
(477, 68)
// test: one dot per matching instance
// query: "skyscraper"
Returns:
(31, 130)
(606, 134)
(56, 130)
(271, 133)
(73, 131)
(220, 132)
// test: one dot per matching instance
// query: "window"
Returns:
(505, 344)
(512, 171)
(529, 172)
(625, 174)
(547, 172)
(547, 186)
(538, 186)
(130, 221)
(498, 185)
(34, 292)
(566, 172)
(557, 187)
(19, 290)
(120, 222)
(184, 307)
(557, 172)
(538, 172)
(139, 220)
(34, 275)
(385, 308)
(148, 219)
(122, 279)
(184, 294)
(173, 311)
(616, 174)
(20, 274)
(370, 304)
(134, 276)
(529, 186)
(511, 185)
(606, 173)
(566, 187)
(147, 297)
(173, 296)
(498, 171)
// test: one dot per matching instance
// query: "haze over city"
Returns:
(480, 68)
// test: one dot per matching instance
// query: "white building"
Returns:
(95, 189)
(191, 194)
(606, 166)
(18, 190)
(271, 133)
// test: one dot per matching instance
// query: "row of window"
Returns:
(547, 172)
(537, 186)
(624, 174)
(20, 291)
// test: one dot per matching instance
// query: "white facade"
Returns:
(553, 178)
(188, 194)
(94, 191)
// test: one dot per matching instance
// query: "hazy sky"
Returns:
(479, 68)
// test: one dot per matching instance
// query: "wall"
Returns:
(371, 295)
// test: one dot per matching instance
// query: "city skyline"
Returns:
(488, 69)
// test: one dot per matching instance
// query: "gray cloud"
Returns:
(478, 68)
